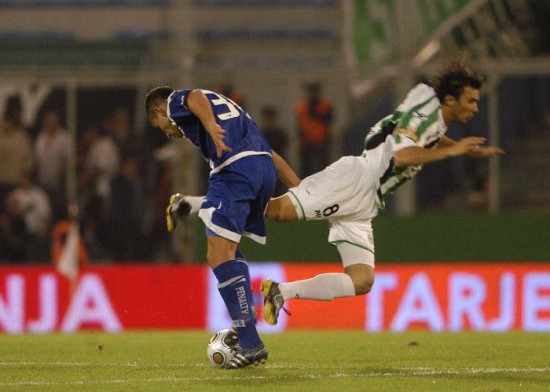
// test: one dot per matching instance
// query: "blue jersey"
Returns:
(241, 132)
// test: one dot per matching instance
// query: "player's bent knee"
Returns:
(219, 250)
(362, 276)
(363, 285)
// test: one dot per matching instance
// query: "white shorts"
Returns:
(345, 194)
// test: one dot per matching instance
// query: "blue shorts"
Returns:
(237, 198)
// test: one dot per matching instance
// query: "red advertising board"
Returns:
(436, 297)
(106, 298)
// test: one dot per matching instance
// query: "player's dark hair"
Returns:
(155, 97)
(454, 78)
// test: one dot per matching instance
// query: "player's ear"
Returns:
(159, 111)
(449, 100)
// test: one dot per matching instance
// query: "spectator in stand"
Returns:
(229, 91)
(314, 115)
(120, 128)
(276, 136)
(99, 166)
(125, 213)
(52, 150)
(102, 161)
(159, 245)
(34, 206)
(16, 155)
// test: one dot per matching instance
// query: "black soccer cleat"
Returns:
(245, 357)
(178, 208)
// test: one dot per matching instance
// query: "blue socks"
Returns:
(234, 287)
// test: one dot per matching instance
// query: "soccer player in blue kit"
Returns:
(243, 173)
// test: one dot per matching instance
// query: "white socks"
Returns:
(195, 203)
(323, 287)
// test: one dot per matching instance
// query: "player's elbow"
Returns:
(413, 155)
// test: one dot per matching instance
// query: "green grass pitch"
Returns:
(299, 361)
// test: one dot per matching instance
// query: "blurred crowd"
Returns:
(121, 191)
(121, 184)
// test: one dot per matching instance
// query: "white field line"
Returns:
(232, 376)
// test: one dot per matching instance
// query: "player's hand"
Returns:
(217, 134)
(200, 106)
(485, 152)
(177, 208)
(466, 145)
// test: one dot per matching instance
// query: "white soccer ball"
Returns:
(220, 347)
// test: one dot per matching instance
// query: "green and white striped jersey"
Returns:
(417, 121)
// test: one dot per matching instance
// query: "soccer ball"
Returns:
(220, 347)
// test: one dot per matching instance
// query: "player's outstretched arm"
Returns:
(200, 106)
(285, 173)
(470, 146)
(481, 152)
